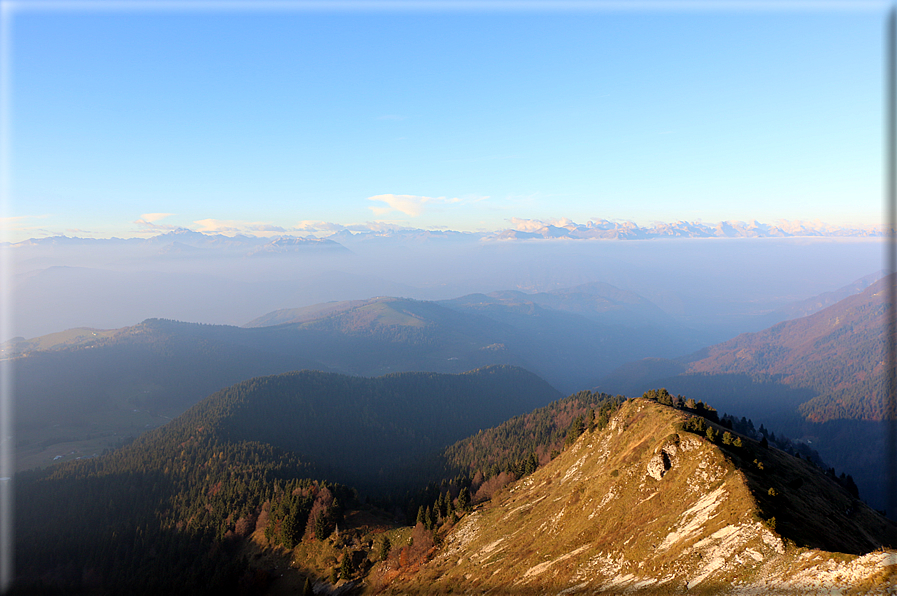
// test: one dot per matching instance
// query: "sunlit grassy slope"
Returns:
(645, 505)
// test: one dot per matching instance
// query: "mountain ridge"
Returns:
(830, 351)
(647, 506)
(524, 230)
(819, 378)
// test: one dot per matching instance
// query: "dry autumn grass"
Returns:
(644, 506)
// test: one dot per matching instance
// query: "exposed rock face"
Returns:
(662, 462)
(640, 506)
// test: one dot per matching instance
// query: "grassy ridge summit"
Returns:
(648, 506)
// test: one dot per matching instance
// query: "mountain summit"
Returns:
(648, 505)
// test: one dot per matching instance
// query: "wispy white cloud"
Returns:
(14, 224)
(17, 227)
(233, 227)
(147, 223)
(311, 226)
(411, 205)
(154, 217)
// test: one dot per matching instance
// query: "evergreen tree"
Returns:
(429, 518)
(320, 526)
(383, 551)
(851, 487)
(530, 464)
(464, 499)
(288, 532)
(335, 512)
(345, 568)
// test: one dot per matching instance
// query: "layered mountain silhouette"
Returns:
(83, 390)
(837, 354)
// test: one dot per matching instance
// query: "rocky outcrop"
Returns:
(662, 461)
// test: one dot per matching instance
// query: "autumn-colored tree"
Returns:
(421, 543)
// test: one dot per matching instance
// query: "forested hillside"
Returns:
(360, 430)
(540, 433)
(186, 493)
(164, 515)
(242, 485)
(838, 353)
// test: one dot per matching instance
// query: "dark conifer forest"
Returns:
(164, 514)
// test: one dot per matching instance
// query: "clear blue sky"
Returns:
(242, 120)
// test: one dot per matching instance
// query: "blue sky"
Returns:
(129, 122)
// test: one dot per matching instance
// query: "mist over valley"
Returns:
(414, 298)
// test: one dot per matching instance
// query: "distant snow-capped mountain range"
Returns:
(627, 230)
(522, 229)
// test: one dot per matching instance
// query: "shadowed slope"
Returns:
(362, 430)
